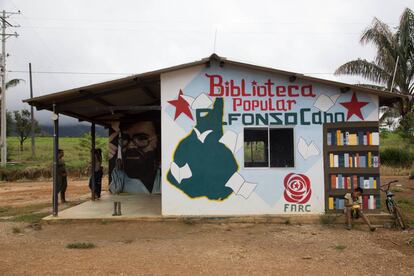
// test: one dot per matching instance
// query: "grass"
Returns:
(80, 245)
(31, 218)
(29, 213)
(407, 207)
(340, 247)
(75, 158)
(393, 140)
(8, 211)
(386, 170)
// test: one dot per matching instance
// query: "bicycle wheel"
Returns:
(399, 218)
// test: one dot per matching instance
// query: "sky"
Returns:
(72, 43)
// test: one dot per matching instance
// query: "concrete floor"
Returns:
(135, 206)
(141, 207)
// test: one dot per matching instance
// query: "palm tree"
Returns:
(9, 118)
(13, 83)
(390, 46)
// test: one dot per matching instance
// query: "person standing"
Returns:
(98, 173)
(62, 181)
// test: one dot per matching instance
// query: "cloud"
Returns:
(138, 36)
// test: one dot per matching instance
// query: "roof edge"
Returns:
(223, 60)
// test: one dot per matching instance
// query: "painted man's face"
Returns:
(139, 139)
(139, 143)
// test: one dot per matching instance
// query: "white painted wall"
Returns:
(267, 196)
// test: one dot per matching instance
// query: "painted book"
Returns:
(375, 161)
(329, 139)
(331, 203)
(331, 160)
(333, 181)
(375, 138)
(369, 159)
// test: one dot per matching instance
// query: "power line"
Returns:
(85, 28)
(71, 72)
(263, 22)
(117, 73)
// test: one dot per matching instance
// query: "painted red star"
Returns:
(354, 107)
(181, 106)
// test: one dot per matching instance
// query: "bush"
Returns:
(384, 133)
(396, 157)
(406, 128)
(16, 230)
(340, 247)
(80, 245)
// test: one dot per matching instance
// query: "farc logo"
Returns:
(297, 191)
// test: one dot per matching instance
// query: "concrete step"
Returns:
(380, 220)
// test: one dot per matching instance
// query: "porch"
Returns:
(133, 207)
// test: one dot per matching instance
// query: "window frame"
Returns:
(264, 128)
(268, 146)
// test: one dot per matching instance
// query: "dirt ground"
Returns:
(184, 248)
(29, 193)
(176, 248)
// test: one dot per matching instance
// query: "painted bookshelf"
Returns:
(351, 159)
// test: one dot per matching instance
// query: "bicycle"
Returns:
(392, 207)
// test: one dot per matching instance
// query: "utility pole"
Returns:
(32, 131)
(3, 122)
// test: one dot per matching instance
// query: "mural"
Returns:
(206, 112)
(135, 143)
(202, 165)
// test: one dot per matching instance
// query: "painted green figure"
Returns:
(211, 163)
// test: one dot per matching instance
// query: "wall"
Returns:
(203, 169)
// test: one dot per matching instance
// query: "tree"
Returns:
(85, 144)
(390, 45)
(23, 125)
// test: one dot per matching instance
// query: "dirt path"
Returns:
(174, 248)
(178, 248)
(30, 193)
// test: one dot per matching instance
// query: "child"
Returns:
(98, 173)
(353, 203)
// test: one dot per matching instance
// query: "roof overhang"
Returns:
(104, 102)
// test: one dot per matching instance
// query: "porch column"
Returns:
(55, 119)
(93, 159)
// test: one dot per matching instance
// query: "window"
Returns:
(255, 147)
(269, 147)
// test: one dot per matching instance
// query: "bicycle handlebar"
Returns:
(388, 185)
